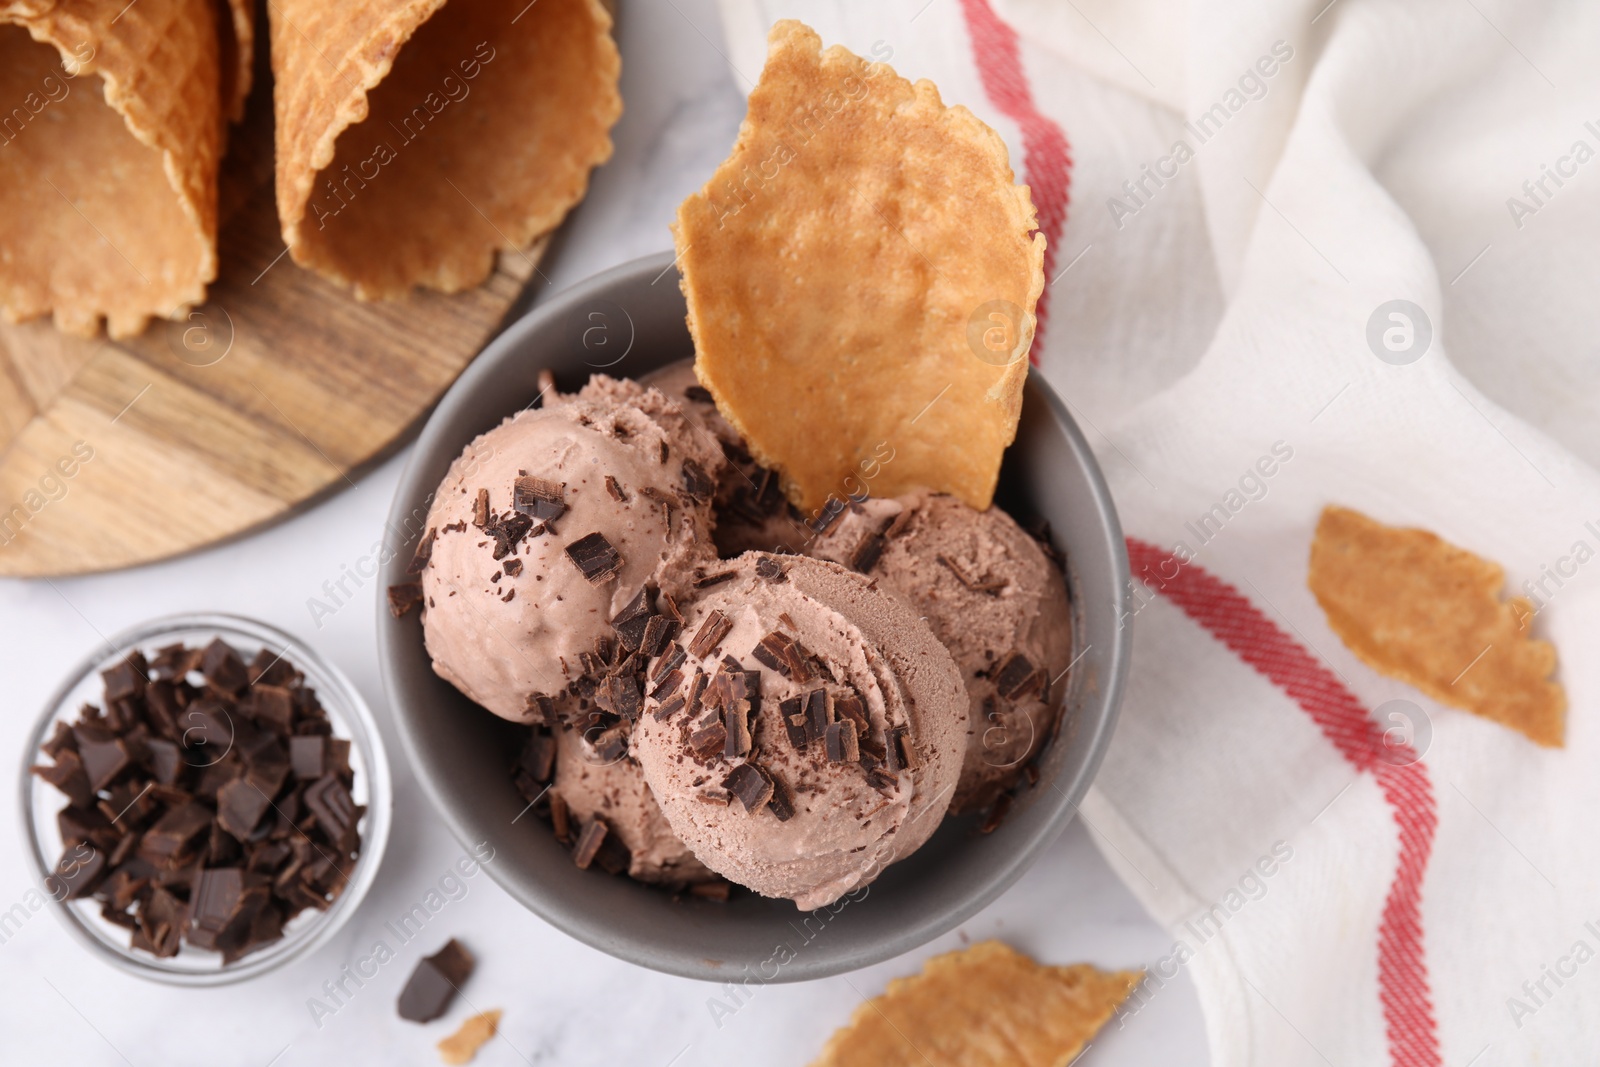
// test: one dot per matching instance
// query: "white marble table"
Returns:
(564, 1003)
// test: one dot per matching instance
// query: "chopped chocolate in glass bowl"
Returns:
(207, 802)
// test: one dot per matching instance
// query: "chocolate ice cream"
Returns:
(994, 599)
(805, 731)
(546, 526)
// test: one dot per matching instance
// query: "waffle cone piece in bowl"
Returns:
(416, 138)
(108, 160)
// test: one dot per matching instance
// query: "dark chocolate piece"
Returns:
(1016, 677)
(223, 668)
(696, 482)
(589, 842)
(670, 661)
(331, 803)
(403, 597)
(867, 553)
(424, 553)
(751, 785)
(769, 569)
(594, 557)
(819, 714)
(782, 802)
(709, 740)
(539, 756)
(793, 713)
(513, 567)
(736, 721)
(272, 706)
(673, 679)
(670, 708)
(966, 577)
(480, 509)
(706, 581)
(840, 741)
(614, 487)
(434, 983)
(127, 679)
(710, 635)
(902, 754)
(104, 755)
(697, 690)
(539, 500)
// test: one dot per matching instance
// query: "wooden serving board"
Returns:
(270, 395)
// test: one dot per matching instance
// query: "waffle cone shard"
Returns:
(986, 1006)
(108, 167)
(417, 138)
(236, 26)
(1417, 608)
(835, 266)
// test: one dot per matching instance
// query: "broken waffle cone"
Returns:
(986, 1006)
(1417, 608)
(416, 138)
(861, 275)
(108, 160)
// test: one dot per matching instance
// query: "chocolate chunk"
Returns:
(539, 708)
(736, 722)
(657, 632)
(867, 553)
(223, 668)
(850, 706)
(480, 509)
(589, 842)
(127, 679)
(560, 818)
(403, 597)
(840, 742)
(697, 690)
(668, 684)
(508, 532)
(173, 836)
(611, 746)
(614, 487)
(538, 758)
(594, 557)
(1016, 677)
(901, 754)
(696, 482)
(620, 695)
(769, 569)
(434, 983)
(793, 714)
(104, 755)
(782, 802)
(698, 393)
(710, 635)
(539, 500)
(272, 706)
(331, 803)
(706, 581)
(669, 662)
(68, 776)
(709, 740)
(670, 708)
(78, 871)
(424, 553)
(207, 728)
(240, 805)
(751, 785)
(819, 714)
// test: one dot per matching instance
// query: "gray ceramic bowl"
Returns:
(627, 322)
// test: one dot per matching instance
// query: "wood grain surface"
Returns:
(265, 398)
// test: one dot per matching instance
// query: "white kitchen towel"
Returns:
(1304, 253)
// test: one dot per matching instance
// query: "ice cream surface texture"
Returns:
(993, 598)
(809, 731)
(545, 527)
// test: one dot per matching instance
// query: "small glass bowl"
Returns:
(351, 719)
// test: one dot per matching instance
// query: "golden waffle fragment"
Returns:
(236, 31)
(986, 1006)
(416, 138)
(861, 275)
(461, 1046)
(108, 160)
(1419, 609)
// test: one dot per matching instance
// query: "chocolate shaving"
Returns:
(589, 842)
(710, 635)
(560, 818)
(668, 682)
(696, 482)
(620, 695)
(751, 785)
(480, 509)
(658, 631)
(697, 689)
(902, 754)
(1016, 677)
(594, 557)
(671, 661)
(404, 597)
(967, 579)
(539, 708)
(670, 708)
(770, 569)
(705, 581)
(867, 553)
(737, 726)
(614, 487)
(709, 740)
(782, 801)
(424, 553)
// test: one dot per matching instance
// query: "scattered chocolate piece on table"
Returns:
(434, 982)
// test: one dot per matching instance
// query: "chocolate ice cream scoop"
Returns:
(547, 526)
(994, 599)
(597, 783)
(804, 731)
